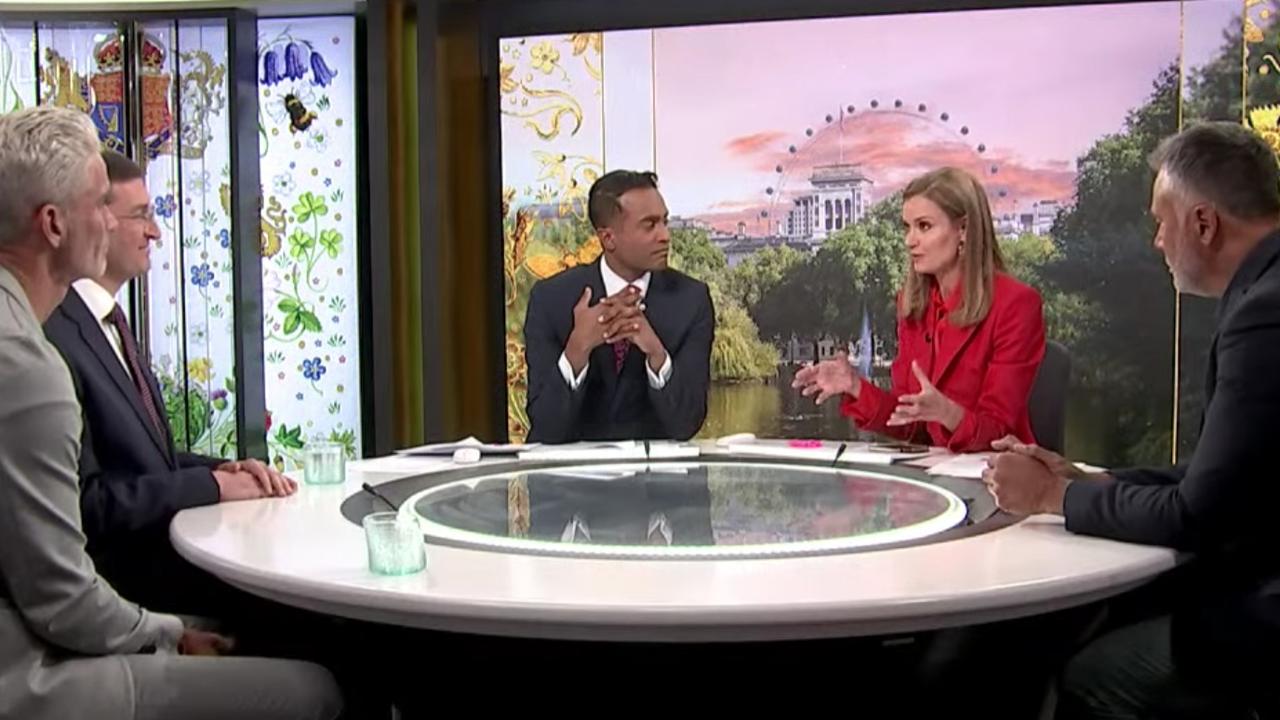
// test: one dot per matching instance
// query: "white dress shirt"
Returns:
(100, 304)
(613, 284)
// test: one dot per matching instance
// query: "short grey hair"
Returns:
(43, 154)
(1226, 164)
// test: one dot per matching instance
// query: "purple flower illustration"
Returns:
(271, 67)
(293, 68)
(201, 275)
(321, 74)
(166, 206)
(313, 369)
(224, 238)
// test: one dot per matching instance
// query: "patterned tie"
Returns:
(620, 349)
(130, 347)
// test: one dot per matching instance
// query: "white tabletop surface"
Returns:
(302, 551)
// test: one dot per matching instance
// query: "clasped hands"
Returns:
(616, 318)
(251, 479)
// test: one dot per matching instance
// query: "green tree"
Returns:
(1213, 90)
(1068, 317)
(858, 268)
(1107, 261)
(761, 272)
(737, 352)
(693, 254)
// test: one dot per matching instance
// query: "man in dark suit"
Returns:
(1212, 648)
(133, 479)
(620, 349)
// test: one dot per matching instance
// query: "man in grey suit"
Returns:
(70, 647)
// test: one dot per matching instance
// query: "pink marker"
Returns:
(805, 443)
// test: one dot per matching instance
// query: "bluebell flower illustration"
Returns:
(321, 74)
(166, 206)
(293, 68)
(271, 67)
(201, 275)
(224, 238)
(313, 369)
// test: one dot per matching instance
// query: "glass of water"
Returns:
(395, 543)
(324, 463)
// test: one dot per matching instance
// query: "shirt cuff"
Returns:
(659, 380)
(566, 371)
(168, 632)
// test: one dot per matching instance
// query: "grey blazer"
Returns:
(63, 629)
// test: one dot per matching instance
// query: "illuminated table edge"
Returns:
(951, 516)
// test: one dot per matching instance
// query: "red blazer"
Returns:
(987, 368)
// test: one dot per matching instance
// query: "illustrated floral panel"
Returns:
(201, 198)
(552, 108)
(307, 111)
(165, 323)
(17, 66)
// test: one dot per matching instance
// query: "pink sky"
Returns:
(1037, 86)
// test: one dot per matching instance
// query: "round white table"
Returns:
(303, 552)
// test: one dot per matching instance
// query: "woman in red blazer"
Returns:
(970, 337)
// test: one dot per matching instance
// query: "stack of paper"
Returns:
(612, 451)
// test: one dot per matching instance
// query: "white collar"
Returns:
(96, 297)
(614, 284)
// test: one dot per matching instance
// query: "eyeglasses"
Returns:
(146, 216)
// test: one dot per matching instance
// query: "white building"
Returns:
(838, 196)
(1037, 219)
(683, 223)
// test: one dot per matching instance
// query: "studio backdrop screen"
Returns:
(782, 147)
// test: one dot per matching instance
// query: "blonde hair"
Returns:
(962, 198)
(44, 153)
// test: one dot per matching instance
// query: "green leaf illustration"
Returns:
(310, 204)
(300, 243)
(331, 241)
(310, 322)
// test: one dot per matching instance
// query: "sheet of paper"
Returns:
(972, 465)
(968, 465)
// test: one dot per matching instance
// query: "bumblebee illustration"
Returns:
(300, 118)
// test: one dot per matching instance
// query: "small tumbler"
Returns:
(324, 463)
(395, 543)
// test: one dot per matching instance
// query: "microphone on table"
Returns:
(839, 451)
(373, 491)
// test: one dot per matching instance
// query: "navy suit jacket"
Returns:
(1222, 504)
(132, 479)
(612, 405)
